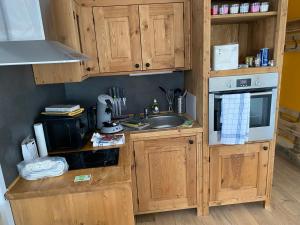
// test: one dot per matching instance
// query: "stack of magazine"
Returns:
(63, 110)
(107, 139)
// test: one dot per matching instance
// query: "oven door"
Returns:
(262, 116)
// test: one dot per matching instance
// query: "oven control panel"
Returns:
(244, 82)
(229, 83)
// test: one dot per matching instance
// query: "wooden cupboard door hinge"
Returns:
(138, 201)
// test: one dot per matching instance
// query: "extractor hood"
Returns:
(22, 38)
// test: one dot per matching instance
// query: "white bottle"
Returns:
(155, 106)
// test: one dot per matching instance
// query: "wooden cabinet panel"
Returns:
(162, 35)
(238, 173)
(60, 25)
(166, 173)
(87, 36)
(112, 206)
(118, 38)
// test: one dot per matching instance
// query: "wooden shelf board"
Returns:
(241, 17)
(245, 71)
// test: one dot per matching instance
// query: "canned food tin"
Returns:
(264, 56)
(249, 61)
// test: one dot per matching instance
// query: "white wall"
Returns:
(6, 217)
(22, 20)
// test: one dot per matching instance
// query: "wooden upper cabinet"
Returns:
(238, 173)
(162, 36)
(118, 38)
(166, 173)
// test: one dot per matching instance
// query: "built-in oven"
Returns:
(263, 92)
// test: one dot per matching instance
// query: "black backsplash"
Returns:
(140, 91)
(20, 102)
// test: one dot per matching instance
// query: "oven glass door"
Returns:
(260, 110)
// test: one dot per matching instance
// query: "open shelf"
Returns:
(244, 71)
(237, 18)
(251, 35)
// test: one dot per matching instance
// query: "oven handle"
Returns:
(251, 94)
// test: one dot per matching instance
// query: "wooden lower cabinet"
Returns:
(111, 206)
(238, 173)
(166, 173)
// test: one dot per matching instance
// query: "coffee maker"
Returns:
(104, 112)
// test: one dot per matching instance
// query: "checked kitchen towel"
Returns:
(235, 118)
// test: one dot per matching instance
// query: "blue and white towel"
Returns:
(235, 118)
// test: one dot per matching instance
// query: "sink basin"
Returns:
(164, 121)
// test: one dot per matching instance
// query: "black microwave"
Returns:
(63, 133)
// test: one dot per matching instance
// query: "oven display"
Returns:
(243, 83)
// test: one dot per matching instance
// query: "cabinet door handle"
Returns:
(137, 65)
(265, 148)
(88, 69)
(147, 64)
(191, 142)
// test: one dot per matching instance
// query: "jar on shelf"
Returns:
(234, 8)
(264, 6)
(214, 9)
(255, 7)
(244, 7)
(224, 9)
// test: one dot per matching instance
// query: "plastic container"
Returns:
(224, 9)
(214, 9)
(264, 6)
(244, 7)
(234, 8)
(255, 7)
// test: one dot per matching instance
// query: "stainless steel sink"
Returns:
(164, 121)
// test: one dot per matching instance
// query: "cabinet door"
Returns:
(238, 173)
(166, 173)
(162, 35)
(87, 37)
(118, 38)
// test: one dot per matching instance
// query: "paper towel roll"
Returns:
(40, 138)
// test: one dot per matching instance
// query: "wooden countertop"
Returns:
(180, 131)
(102, 177)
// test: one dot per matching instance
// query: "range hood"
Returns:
(22, 38)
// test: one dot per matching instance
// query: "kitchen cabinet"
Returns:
(252, 31)
(106, 199)
(238, 173)
(110, 207)
(138, 37)
(166, 173)
(119, 38)
(162, 36)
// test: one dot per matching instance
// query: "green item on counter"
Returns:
(82, 178)
(187, 124)
(135, 125)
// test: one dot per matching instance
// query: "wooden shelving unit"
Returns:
(238, 18)
(244, 71)
(252, 31)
